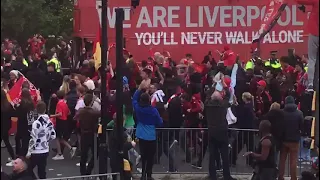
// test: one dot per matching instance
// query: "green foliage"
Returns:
(20, 19)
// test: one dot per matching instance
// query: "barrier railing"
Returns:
(91, 177)
(186, 151)
(182, 150)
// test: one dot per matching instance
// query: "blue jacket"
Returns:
(148, 118)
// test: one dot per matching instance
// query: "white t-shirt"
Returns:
(80, 104)
(96, 105)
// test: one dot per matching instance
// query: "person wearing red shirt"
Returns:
(300, 79)
(229, 57)
(61, 115)
(287, 70)
(313, 42)
(36, 44)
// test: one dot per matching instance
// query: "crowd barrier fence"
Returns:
(185, 150)
(89, 177)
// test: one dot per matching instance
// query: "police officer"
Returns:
(56, 62)
(252, 62)
(272, 63)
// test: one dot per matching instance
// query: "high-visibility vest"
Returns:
(25, 62)
(249, 64)
(56, 63)
(276, 65)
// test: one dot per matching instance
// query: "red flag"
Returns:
(273, 12)
(15, 92)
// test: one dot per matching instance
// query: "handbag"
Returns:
(230, 117)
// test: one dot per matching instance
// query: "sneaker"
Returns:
(9, 164)
(139, 170)
(78, 164)
(73, 151)
(58, 157)
(310, 88)
(172, 171)
(196, 165)
(138, 160)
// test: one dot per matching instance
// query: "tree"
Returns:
(20, 19)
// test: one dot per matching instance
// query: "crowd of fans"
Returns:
(160, 92)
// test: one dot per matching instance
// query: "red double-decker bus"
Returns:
(195, 27)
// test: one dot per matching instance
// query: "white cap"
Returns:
(90, 84)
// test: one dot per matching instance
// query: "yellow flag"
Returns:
(97, 55)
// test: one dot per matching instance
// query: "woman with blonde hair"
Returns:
(275, 105)
(246, 119)
(65, 84)
(276, 118)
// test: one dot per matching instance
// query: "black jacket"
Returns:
(241, 86)
(17, 65)
(175, 113)
(24, 175)
(6, 120)
(72, 99)
(274, 90)
(215, 112)
(293, 119)
(53, 81)
(25, 115)
(245, 116)
(4, 176)
(36, 76)
(276, 118)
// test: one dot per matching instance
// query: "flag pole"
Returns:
(102, 147)
(119, 79)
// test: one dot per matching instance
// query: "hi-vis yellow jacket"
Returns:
(57, 64)
(275, 65)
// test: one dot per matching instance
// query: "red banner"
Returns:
(273, 12)
(15, 92)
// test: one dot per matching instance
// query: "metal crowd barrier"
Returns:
(90, 177)
(185, 150)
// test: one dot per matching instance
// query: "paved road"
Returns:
(67, 167)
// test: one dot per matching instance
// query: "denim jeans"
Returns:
(304, 153)
(313, 50)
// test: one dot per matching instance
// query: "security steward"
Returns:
(272, 63)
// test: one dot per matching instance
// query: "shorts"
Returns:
(62, 129)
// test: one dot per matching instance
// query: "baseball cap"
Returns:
(262, 83)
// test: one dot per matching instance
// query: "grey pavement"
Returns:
(67, 167)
